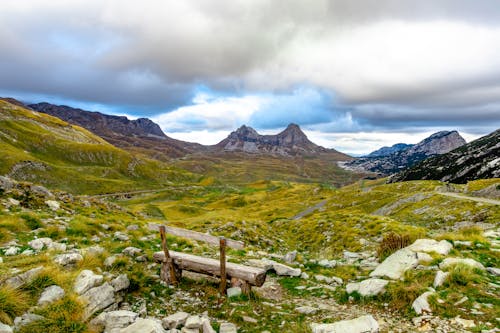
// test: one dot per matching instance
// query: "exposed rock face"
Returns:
(437, 143)
(386, 151)
(478, 159)
(396, 264)
(367, 288)
(144, 326)
(364, 324)
(87, 280)
(51, 294)
(421, 305)
(448, 262)
(114, 321)
(290, 142)
(98, 298)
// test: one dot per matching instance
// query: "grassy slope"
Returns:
(70, 158)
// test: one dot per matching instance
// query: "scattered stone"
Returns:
(440, 278)
(133, 227)
(5, 328)
(264, 263)
(228, 328)
(234, 292)
(284, 270)
(307, 310)
(13, 202)
(113, 321)
(121, 282)
(351, 255)
(304, 276)
(26, 319)
(52, 204)
(367, 288)
(176, 320)
(423, 257)
(327, 263)
(329, 280)
(421, 305)
(86, 280)
(55, 246)
(67, 259)
(363, 324)
(464, 322)
(248, 319)
(41, 191)
(6, 183)
(38, 243)
(430, 245)
(131, 251)
(98, 298)
(26, 277)
(51, 294)
(109, 261)
(461, 301)
(463, 243)
(121, 236)
(448, 262)
(206, 327)
(147, 325)
(492, 270)
(193, 322)
(12, 251)
(28, 252)
(290, 257)
(93, 250)
(394, 266)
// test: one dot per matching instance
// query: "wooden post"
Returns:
(222, 243)
(168, 260)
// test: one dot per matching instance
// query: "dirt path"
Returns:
(309, 210)
(465, 197)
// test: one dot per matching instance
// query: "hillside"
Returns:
(475, 160)
(386, 151)
(386, 164)
(41, 148)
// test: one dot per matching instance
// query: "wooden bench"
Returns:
(173, 263)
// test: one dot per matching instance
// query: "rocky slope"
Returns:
(475, 160)
(141, 135)
(437, 143)
(386, 151)
(290, 142)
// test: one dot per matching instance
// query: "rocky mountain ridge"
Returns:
(438, 143)
(386, 151)
(475, 160)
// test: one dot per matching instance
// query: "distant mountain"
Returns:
(436, 144)
(140, 136)
(475, 160)
(386, 151)
(290, 142)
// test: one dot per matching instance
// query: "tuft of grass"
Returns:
(31, 221)
(13, 303)
(463, 275)
(391, 243)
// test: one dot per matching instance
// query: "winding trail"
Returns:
(309, 210)
(465, 197)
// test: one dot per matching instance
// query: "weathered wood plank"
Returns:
(253, 275)
(213, 240)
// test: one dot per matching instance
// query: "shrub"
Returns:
(391, 243)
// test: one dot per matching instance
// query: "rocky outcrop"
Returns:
(436, 144)
(387, 151)
(364, 324)
(478, 159)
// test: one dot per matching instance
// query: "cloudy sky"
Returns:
(355, 74)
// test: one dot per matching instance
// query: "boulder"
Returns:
(363, 324)
(86, 280)
(290, 257)
(93, 250)
(448, 262)
(55, 246)
(367, 288)
(121, 236)
(131, 251)
(98, 298)
(147, 325)
(206, 327)
(284, 270)
(12, 251)
(113, 321)
(67, 259)
(5, 328)
(228, 328)
(51, 294)
(121, 282)
(430, 245)
(394, 266)
(492, 270)
(234, 292)
(175, 320)
(327, 263)
(26, 277)
(26, 319)
(52, 204)
(421, 305)
(193, 322)
(439, 278)
(38, 243)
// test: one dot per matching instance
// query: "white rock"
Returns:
(68, 259)
(394, 266)
(421, 305)
(423, 257)
(440, 278)
(228, 328)
(463, 243)
(327, 263)
(1, 260)
(492, 270)
(367, 288)
(206, 327)
(114, 321)
(131, 251)
(26, 319)
(147, 325)
(175, 320)
(98, 298)
(55, 246)
(304, 276)
(121, 282)
(109, 261)
(133, 227)
(86, 280)
(12, 251)
(13, 202)
(306, 310)
(290, 257)
(364, 324)
(93, 250)
(348, 255)
(193, 322)
(234, 292)
(52, 204)
(430, 245)
(39, 243)
(189, 330)
(26, 277)
(28, 252)
(464, 322)
(446, 263)
(284, 270)
(5, 328)
(51, 294)
(121, 236)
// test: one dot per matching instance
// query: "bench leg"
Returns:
(165, 273)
